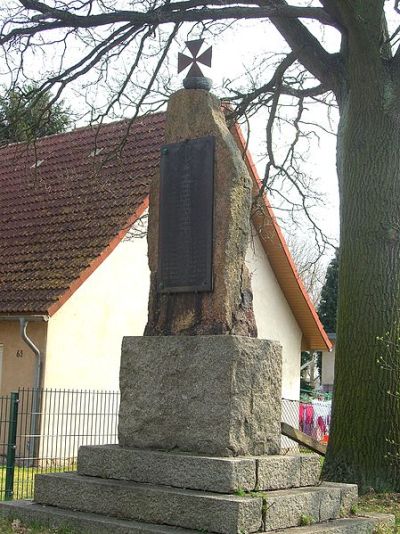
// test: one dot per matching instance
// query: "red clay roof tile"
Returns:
(58, 217)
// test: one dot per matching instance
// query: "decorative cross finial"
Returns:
(195, 78)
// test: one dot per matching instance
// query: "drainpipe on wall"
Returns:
(23, 325)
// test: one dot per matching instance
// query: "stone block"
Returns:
(330, 506)
(222, 514)
(286, 508)
(348, 495)
(310, 470)
(222, 475)
(212, 395)
(278, 472)
(80, 522)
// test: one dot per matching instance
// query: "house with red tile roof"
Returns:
(73, 268)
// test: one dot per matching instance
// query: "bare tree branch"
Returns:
(185, 11)
(247, 99)
(324, 66)
(331, 7)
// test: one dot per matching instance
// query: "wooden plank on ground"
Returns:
(303, 439)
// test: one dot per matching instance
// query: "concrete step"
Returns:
(213, 512)
(87, 523)
(289, 471)
(80, 522)
(352, 525)
(220, 475)
(283, 509)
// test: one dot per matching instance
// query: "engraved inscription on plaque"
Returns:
(186, 216)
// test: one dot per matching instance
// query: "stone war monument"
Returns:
(200, 413)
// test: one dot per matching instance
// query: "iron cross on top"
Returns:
(195, 78)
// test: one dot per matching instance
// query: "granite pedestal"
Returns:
(213, 395)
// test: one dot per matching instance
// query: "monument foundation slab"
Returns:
(205, 511)
(222, 475)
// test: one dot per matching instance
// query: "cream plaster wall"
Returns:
(85, 334)
(274, 317)
(18, 359)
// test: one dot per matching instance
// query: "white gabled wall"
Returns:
(84, 336)
(274, 317)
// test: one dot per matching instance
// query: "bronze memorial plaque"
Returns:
(186, 216)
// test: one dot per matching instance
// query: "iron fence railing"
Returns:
(42, 430)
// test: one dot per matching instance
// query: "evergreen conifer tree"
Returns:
(26, 114)
(329, 296)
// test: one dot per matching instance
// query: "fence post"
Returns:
(11, 446)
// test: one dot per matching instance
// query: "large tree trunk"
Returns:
(366, 414)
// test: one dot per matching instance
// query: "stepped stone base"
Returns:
(196, 510)
(213, 395)
(258, 511)
(147, 492)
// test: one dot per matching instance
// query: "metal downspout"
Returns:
(23, 325)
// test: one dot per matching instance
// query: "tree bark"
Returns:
(365, 432)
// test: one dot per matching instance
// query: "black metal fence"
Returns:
(42, 430)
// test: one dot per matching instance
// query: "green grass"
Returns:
(23, 489)
(16, 527)
(385, 503)
(24, 480)
(307, 520)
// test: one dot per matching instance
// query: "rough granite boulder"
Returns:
(228, 309)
